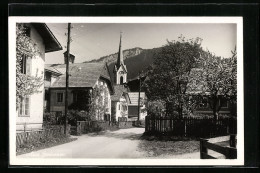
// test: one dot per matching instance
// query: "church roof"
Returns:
(120, 58)
(82, 75)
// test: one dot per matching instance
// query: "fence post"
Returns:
(231, 153)
(203, 149)
(232, 140)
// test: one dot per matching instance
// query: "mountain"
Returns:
(135, 59)
(113, 57)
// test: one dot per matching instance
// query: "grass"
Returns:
(42, 144)
(155, 146)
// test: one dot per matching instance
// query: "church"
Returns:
(124, 102)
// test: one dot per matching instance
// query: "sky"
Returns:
(94, 40)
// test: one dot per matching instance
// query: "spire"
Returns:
(120, 59)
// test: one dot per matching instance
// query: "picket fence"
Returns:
(190, 126)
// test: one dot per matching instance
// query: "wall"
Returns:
(34, 121)
(54, 106)
(120, 112)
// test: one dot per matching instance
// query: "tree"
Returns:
(26, 48)
(167, 77)
(216, 79)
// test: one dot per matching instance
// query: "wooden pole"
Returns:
(67, 79)
(138, 118)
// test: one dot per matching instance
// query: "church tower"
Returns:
(120, 70)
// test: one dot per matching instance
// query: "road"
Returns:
(122, 143)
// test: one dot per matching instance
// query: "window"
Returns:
(24, 107)
(47, 76)
(59, 97)
(25, 64)
(119, 107)
(121, 80)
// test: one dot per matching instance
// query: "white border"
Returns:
(12, 89)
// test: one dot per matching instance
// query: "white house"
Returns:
(30, 111)
(85, 79)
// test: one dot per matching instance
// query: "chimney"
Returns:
(71, 59)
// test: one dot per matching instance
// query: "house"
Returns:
(133, 106)
(89, 85)
(30, 112)
(51, 74)
(195, 87)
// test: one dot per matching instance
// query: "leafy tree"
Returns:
(216, 79)
(167, 78)
(26, 84)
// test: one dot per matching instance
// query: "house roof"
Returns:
(50, 41)
(134, 97)
(119, 91)
(82, 75)
(53, 70)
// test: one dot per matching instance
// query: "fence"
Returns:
(190, 126)
(32, 136)
(230, 152)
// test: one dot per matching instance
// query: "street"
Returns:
(122, 143)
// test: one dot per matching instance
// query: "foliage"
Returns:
(91, 106)
(26, 84)
(99, 102)
(167, 78)
(75, 115)
(217, 79)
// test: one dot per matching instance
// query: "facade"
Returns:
(89, 84)
(29, 116)
(51, 74)
(133, 106)
(120, 102)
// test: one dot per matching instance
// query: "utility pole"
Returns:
(67, 79)
(138, 118)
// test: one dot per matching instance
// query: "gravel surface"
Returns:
(123, 143)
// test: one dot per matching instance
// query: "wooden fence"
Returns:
(191, 127)
(230, 152)
(36, 135)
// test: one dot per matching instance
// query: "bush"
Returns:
(50, 118)
(75, 115)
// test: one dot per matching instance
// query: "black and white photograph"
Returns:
(126, 91)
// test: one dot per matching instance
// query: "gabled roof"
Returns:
(52, 70)
(134, 97)
(50, 41)
(83, 75)
(120, 90)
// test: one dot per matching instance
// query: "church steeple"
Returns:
(120, 70)
(120, 58)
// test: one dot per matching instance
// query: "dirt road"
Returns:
(122, 143)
